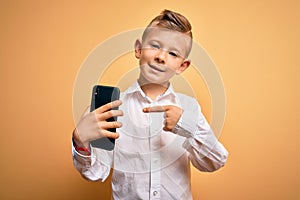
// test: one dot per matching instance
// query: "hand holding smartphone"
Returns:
(102, 95)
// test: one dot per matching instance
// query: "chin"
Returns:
(148, 77)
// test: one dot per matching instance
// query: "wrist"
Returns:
(81, 149)
(77, 140)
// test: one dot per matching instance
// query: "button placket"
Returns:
(155, 174)
(155, 162)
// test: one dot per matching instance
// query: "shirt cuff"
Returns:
(185, 126)
(79, 154)
(85, 160)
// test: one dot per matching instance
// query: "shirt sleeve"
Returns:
(206, 152)
(95, 167)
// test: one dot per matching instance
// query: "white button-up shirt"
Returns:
(148, 162)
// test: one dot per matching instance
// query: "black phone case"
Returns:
(102, 95)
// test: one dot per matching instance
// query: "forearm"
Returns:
(206, 152)
(206, 157)
(92, 165)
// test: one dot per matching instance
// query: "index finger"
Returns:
(108, 106)
(155, 109)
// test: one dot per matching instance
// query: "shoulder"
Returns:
(187, 101)
(185, 97)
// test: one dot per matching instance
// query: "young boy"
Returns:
(158, 131)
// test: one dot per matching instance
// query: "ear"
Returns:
(137, 48)
(184, 65)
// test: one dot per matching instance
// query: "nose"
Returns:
(160, 57)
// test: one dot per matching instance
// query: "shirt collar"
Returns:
(135, 87)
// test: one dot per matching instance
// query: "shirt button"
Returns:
(154, 193)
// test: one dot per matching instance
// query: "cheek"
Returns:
(147, 55)
(174, 66)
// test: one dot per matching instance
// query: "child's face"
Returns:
(162, 55)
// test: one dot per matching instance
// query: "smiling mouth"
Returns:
(156, 68)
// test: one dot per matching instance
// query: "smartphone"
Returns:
(102, 95)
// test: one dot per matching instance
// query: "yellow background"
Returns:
(255, 45)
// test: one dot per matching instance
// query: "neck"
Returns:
(152, 90)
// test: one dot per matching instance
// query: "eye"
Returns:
(173, 54)
(155, 46)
